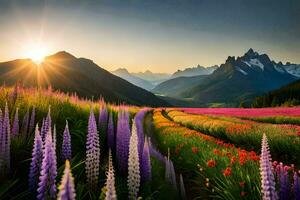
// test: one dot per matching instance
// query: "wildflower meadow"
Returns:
(59, 146)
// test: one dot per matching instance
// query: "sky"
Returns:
(159, 35)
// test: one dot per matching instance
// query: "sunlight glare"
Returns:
(37, 53)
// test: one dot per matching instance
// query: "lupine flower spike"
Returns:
(146, 162)
(15, 129)
(266, 172)
(54, 137)
(36, 160)
(182, 188)
(1, 142)
(122, 141)
(32, 120)
(110, 180)
(92, 162)
(111, 133)
(133, 181)
(25, 123)
(67, 188)
(296, 186)
(66, 145)
(47, 188)
(5, 143)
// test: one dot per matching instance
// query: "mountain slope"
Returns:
(241, 78)
(174, 87)
(194, 71)
(124, 74)
(288, 95)
(70, 74)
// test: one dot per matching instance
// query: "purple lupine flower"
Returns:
(134, 177)
(46, 187)
(92, 162)
(36, 160)
(66, 145)
(182, 188)
(15, 129)
(110, 180)
(284, 191)
(25, 123)
(139, 119)
(103, 118)
(43, 131)
(46, 125)
(32, 120)
(296, 186)
(111, 133)
(2, 138)
(54, 138)
(5, 142)
(67, 187)
(266, 172)
(146, 163)
(122, 141)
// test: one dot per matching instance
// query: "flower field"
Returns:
(271, 115)
(284, 140)
(58, 146)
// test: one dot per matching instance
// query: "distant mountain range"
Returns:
(241, 78)
(194, 71)
(154, 78)
(124, 74)
(70, 74)
(148, 80)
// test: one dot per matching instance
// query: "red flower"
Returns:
(227, 171)
(217, 152)
(243, 194)
(232, 160)
(211, 163)
(195, 150)
(242, 184)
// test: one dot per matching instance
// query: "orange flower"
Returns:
(195, 150)
(211, 163)
(232, 160)
(217, 152)
(227, 171)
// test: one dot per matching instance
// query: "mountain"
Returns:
(240, 79)
(288, 95)
(124, 74)
(65, 72)
(174, 87)
(154, 78)
(194, 71)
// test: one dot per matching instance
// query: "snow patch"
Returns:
(257, 63)
(279, 68)
(242, 71)
(293, 70)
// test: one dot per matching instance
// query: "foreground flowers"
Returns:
(133, 165)
(47, 187)
(67, 188)
(92, 162)
(110, 180)
(267, 177)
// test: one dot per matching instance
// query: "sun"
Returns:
(37, 53)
